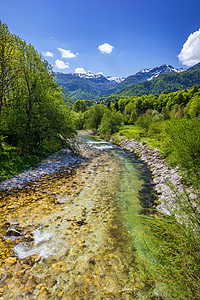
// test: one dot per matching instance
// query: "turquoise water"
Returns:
(135, 197)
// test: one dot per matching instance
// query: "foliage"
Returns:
(192, 109)
(183, 143)
(78, 119)
(94, 115)
(33, 110)
(33, 113)
(13, 164)
(110, 123)
(174, 250)
(80, 106)
(130, 114)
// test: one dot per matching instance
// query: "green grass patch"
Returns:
(131, 131)
(135, 132)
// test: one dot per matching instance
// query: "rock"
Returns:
(56, 162)
(12, 232)
(11, 261)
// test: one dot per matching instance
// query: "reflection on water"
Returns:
(78, 235)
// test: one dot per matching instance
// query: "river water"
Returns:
(78, 234)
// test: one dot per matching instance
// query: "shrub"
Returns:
(183, 143)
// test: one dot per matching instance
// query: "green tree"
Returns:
(183, 143)
(110, 123)
(130, 114)
(8, 63)
(80, 106)
(32, 104)
(94, 115)
(192, 109)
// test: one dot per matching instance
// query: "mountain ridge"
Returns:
(170, 82)
(89, 86)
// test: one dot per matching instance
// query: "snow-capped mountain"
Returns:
(93, 86)
(148, 74)
(99, 77)
(116, 79)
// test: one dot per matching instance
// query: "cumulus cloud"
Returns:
(106, 48)
(67, 53)
(80, 70)
(48, 54)
(190, 53)
(61, 65)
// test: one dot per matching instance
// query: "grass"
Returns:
(134, 131)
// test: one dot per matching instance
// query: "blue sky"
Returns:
(117, 37)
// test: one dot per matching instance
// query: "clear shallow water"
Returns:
(136, 196)
(79, 235)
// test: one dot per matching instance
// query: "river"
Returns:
(78, 234)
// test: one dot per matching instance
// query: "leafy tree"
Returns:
(192, 109)
(94, 115)
(183, 143)
(9, 68)
(33, 111)
(80, 106)
(130, 114)
(110, 123)
(122, 103)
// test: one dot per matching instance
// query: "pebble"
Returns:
(54, 163)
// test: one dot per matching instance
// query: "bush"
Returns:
(174, 249)
(183, 143)
(94, 115)
(110, 123)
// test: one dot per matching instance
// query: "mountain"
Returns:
(93, 87)
(146, 75)
(170, 82)
(86, 86)
(99, 78)
(195, 67)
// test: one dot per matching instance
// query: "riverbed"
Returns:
(77, 233)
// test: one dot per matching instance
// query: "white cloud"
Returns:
(48, 54)
(190, 53)
(106, 48)
(80, 70)
(61, 65)
(67, 53)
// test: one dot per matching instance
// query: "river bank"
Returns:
(55, 163)
(167, 180)
(163, 175)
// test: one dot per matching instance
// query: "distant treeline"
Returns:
(187, 100)
(167, 105)
(157, 116)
